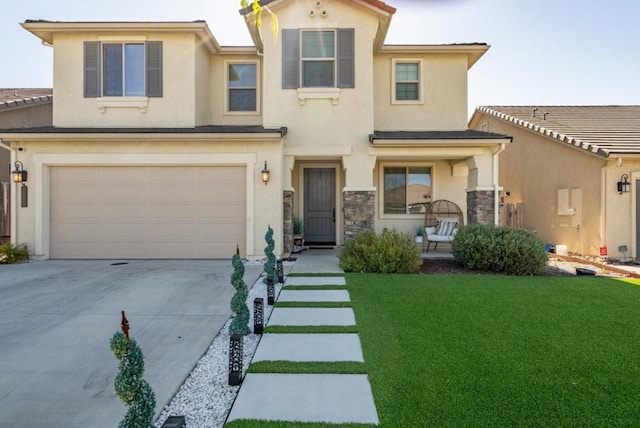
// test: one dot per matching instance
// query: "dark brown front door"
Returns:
(319, 206)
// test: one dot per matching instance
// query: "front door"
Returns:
(320, 206)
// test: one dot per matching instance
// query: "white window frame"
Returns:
(228, 112)
(381, 166)
(334, 59)
(420, 82)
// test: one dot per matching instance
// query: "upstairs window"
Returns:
(242, 87)
(123, 69)
(406, 84)
(318, 58)
(407, 189)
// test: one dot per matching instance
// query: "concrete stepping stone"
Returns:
(312, 316)
(315, 280)
(309, 347)
(329, 398)
(313, 296)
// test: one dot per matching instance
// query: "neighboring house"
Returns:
(567, 166)
(160, 135)
(19, 107)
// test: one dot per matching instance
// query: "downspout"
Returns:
(496, 187)
(13, 230)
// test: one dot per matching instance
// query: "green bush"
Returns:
(389, 252)
(10, 253)
(499, 249)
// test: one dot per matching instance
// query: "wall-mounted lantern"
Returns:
(624, 186)
(19, 175)
(266, 174)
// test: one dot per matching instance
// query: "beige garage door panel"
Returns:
(147, 212)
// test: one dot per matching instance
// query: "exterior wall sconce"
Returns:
(19, 175)
(266, 174)
(623, 185)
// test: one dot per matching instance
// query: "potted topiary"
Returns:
(298, 240)
(419, 235)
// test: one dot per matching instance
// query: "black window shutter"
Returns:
(290, 59)
(346, 57)
(154, 69)
(91, 69)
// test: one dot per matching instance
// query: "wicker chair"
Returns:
(436, 211)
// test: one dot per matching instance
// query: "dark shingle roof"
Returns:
(602, 130)
(20, 97)
(468, 134)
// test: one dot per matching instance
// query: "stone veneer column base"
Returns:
(359, 212)
(480, 207)
(287, 227)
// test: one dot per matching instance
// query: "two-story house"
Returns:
(162, 139)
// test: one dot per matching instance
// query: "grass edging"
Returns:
(252, 423)
(283, 329)
(313, 305)
(308, 367)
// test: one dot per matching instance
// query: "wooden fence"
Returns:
(512, 215)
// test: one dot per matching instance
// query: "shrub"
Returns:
(10, 253)
(499, 249)
(389, 252)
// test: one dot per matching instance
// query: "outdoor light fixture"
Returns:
(623, 185)
(258, 315)
(266, 174)
(271, 291)
(280, 270)
(19, 175)
(235, 360)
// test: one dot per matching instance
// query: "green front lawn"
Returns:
(485, 350)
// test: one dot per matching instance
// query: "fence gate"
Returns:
(512, 215)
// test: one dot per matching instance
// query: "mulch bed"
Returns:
(440, 266)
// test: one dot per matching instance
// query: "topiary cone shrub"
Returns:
(499, 249)
(132, 389)
(389, 252)
(270, 263)
(239, 324)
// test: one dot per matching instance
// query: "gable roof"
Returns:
(11, 98)
(606, 131)
(375, 3)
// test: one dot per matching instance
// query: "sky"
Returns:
(543, 52)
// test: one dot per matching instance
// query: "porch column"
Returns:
(481, 191)
(288, 163)
(359, 195)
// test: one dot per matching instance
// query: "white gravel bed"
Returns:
(205, 398)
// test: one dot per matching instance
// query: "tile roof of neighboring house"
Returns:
(20, 97)
(602, 130)
(208, 129)
(468, 134)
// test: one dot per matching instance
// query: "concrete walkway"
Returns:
(328, 398)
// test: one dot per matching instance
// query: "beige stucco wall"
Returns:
(533, 168)
(176, 108)
(32, 221)
(323, 129)
(444, 94)
(202, 85)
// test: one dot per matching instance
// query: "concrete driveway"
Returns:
(56, 319)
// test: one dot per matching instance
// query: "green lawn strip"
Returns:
(249, 423)
(314, 287)
(315, 275)
(490, 350)
(312, 329)
(308, 367)
(313, 305)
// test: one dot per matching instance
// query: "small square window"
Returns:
(406, 84)
(242, 87)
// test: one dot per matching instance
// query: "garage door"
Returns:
(147, 212)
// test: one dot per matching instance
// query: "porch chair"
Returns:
(441, 222)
